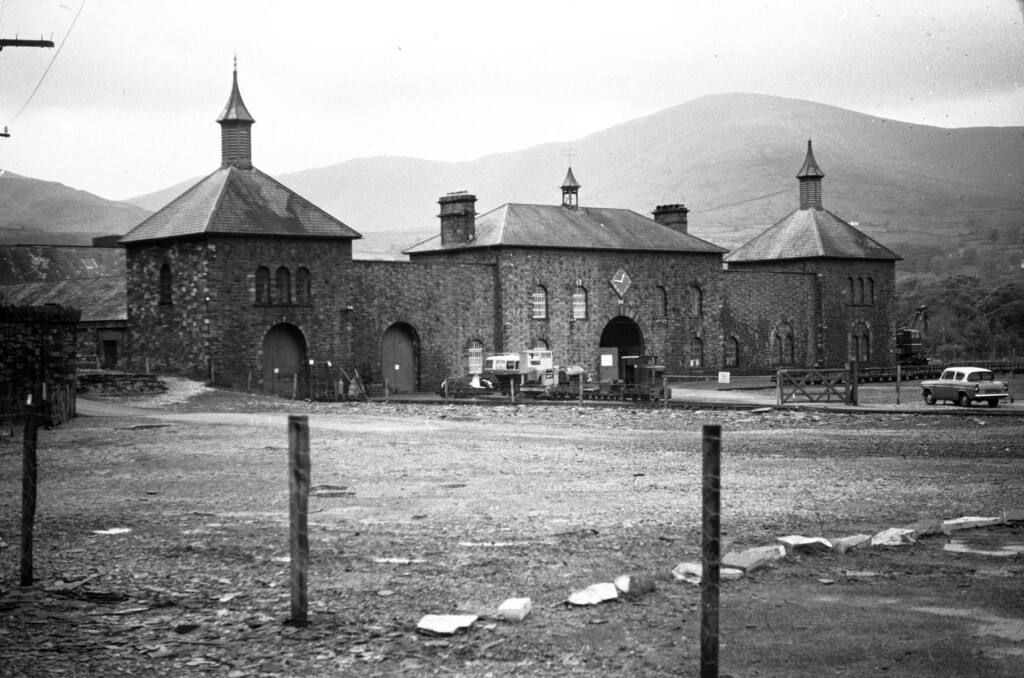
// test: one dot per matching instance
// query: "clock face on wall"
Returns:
(620, 282)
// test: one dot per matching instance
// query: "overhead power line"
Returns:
(35, 43)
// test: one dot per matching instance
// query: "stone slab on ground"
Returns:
(894, 536)
(693, 573)
(754, 559)
(925, 528)
(1014, 516)
(515, 609)
(795, 543)
(852, 542)
(969, 523)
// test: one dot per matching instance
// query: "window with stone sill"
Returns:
(539, 303)
(732, 352)
(660, 302)
(303, 296)
(579, 304)
(475, 357)
(262, 286)
(283, 287)
(165, 285)
(696, 301)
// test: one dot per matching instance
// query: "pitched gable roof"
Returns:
(239, 201)
(809, 233)
(99, 299)
(554, 226)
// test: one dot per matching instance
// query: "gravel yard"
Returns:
(432, 508)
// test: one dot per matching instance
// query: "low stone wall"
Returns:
(118, 383)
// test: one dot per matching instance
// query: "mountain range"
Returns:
(731, 158)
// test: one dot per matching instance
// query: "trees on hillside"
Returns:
(968, 317)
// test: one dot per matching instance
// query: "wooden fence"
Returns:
(58, 405)
(816, 385)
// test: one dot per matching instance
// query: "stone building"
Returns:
(242, 281)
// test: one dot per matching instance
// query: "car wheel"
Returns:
(929, 398)
(993, 402)
(965, 400)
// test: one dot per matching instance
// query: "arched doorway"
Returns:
(284, 359)
(400, 358)
(621, 338)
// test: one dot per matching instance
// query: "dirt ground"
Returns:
(423, 509)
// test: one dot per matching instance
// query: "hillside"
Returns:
(731, 158)
(35, 212)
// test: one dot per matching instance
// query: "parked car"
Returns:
(965, 385)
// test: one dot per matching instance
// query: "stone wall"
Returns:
(168, 337)
(841, 313)
(448, 306)
(760, 304)
(576, 341)
(214, 325)
(38, 348)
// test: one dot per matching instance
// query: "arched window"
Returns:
(860, 290)
(860, 343)
(849, 291)
(540, 344)
(539, 302)
(579, 303)
(871, 291)
(732, 352)
(165, 285)
(283, 286)
(660, 302)
(696, 352)
(696, 301)
(475, 357)
(262, 286)
(783, 350)
(302, 287)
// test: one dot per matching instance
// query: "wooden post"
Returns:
(446, 391)
(248, 383)
(295, 385)
(29, 478)
(854, 380)
(581, 388)
(710, 550)
(778, 386)
(298, 487)
(898, 377)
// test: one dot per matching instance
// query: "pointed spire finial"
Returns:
(810, 176)
(570, 191)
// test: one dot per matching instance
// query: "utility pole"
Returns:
(16, 42)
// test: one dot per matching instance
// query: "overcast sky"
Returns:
(129, 103)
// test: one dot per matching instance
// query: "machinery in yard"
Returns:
(910, 339)
(533, 374)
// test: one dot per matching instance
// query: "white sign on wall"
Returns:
(723, 377)
(607, 360)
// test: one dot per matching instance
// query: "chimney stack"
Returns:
(458, 218)
(673, 216)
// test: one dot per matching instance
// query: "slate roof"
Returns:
(810, 233)
(587, 228)
(235, 110)
(48, 263)
(99, 299)
(239, 201)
